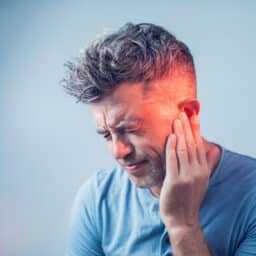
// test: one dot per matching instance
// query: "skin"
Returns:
(163, 129)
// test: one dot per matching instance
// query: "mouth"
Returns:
(134, 168)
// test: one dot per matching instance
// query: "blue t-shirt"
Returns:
(111, 216)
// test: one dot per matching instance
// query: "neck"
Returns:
(213, 155)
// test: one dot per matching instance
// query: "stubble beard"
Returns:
(154, 175)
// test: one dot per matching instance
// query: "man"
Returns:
(174, 193)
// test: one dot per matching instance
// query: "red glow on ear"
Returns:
(190, 112)
(190, 107)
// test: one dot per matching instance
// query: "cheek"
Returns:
(158, 140)
(152, 145)
(159, 134)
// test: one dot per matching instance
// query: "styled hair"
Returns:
(135, 53)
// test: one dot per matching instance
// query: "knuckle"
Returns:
(200, 177)
(191, 145)
(182, 150)
(186, 181)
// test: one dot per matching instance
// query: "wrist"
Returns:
(179, 232)
(188, 241)
(181, 225)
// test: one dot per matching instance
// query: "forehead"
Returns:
(125, 104)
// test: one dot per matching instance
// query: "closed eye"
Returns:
(131, 130)
(134, 128)
(127, 130)
(107, 135)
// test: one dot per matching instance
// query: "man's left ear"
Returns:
(190, 107)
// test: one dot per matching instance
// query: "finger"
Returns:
(181, 148)
(189, 138)
(172, 170)
(201, 154)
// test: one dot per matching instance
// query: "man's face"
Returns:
(136, 127)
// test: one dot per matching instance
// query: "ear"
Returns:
(190, 107)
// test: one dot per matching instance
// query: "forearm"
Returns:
(188, 241)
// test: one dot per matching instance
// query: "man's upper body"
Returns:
(140, 83)
(111, 216)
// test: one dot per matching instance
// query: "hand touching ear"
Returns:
(184, 187)
(186, 181)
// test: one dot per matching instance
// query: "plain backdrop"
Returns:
(48, 144)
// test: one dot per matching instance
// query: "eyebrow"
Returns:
(120, 125)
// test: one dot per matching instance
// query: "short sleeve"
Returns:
(83, 235)
(248, 245)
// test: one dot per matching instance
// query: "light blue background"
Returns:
(48, 145)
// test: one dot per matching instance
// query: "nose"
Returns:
(121, 149)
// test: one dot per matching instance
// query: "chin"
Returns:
(144, 182)
(149, 177)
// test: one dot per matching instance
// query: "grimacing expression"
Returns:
(136, 129)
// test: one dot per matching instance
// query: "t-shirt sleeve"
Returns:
(84, 237)
(248, 245)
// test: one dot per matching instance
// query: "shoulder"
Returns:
(98, 186)
(87, 217)
(234, 164)
(240, 159)
(235, 172)
(243, 167)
